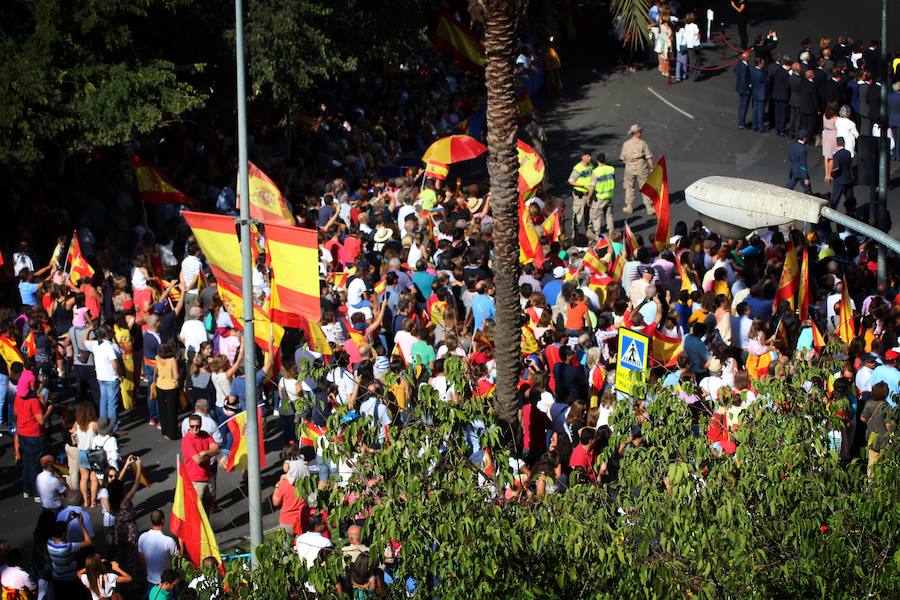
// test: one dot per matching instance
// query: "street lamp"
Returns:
(733, 207)
(254, 491)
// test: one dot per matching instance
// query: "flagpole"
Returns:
(253, 449)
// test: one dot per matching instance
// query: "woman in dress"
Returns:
(829, 136)
(846, 129)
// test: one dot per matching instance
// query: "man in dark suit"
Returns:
(872, 56)
(841, 50)
(795, 82)
(758, 91)
(835, 90)
(810, 104)
(742, 86)
(820, 77)
(780, 89)
(799, 172)
(842, 178)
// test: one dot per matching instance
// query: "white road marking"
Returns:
(655, 93)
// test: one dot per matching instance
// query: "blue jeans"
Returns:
(32, 448)
(152, 409)
(109, 399)
(759, 109)
(681, 71)
(4, 391)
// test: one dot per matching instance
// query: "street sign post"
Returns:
(631, 364)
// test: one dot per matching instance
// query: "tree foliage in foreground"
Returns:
(74, 76)
(782, 518)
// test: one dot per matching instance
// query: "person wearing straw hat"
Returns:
(638, 161)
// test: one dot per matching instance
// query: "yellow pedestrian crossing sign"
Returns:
(631, 363)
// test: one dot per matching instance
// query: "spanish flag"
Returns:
(262, 323)
(218, 239)
(665, 349)
(293, 254)
(803, 291)
(481, 338)
(154, 187)
(436, 170)
(381, 286)
(531, 167)
(189, 521)
(237, 425)
(266, 202)
(316, 338)
(358, 337)
(657, 189)
(530, 249)
(686, 284)
(552, 227)
(846, 329)
(790, 279)
(615, 270)
(593, 263)
(781, 335)
(80, 268)
(458, 43)
(28, 345)
(818, 339)
(631, 243)
(529, 343)
(9, 352)
(310, 434)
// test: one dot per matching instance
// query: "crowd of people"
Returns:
(407, 275)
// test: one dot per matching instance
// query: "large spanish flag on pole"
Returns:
(803, 291)
(294, 257)
(189, 522)
(846, 329)
(266, 202)
(657, 189)
(262, 324)
(80, 267)
(221, 247)
(237, 425)
(790, 278)
(154, 187)
(458, 43)
(665, 349)
(531, 167)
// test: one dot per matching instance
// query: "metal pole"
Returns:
(884, 145)
(253, 449)
(883, 239)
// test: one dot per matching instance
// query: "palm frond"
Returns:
(630, 19)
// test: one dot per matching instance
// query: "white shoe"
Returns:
(26, 495)
(37, 500)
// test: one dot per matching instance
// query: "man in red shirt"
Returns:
(583, 454)
(198, 449)
(30, 417)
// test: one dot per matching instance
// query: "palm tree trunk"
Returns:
(503, 166)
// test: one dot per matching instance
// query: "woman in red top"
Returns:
(293, 506)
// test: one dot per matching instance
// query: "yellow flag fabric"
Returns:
(189, 522)
(294, 259)
(234, 304)
(154, 187)
(531, 167)
(219, 242)
(846, 329)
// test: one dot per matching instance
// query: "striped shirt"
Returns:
(63, 564)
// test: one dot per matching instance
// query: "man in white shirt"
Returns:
(375, 409)
(863, 378)
(309, 544)
(156, 548)
(355, 292)
(193, 333)
(189, 277)
(51, 488)
(106, 364)
(740, 326)
(207, 424)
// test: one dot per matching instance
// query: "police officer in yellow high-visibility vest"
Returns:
(601, 195)
(581, 179)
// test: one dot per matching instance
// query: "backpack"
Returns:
(97, 458)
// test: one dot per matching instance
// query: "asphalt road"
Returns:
(694, 125)
(593, 115)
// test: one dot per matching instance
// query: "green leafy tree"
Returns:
(74, 75)
(782, 518)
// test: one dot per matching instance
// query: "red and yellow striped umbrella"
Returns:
(453, 149)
